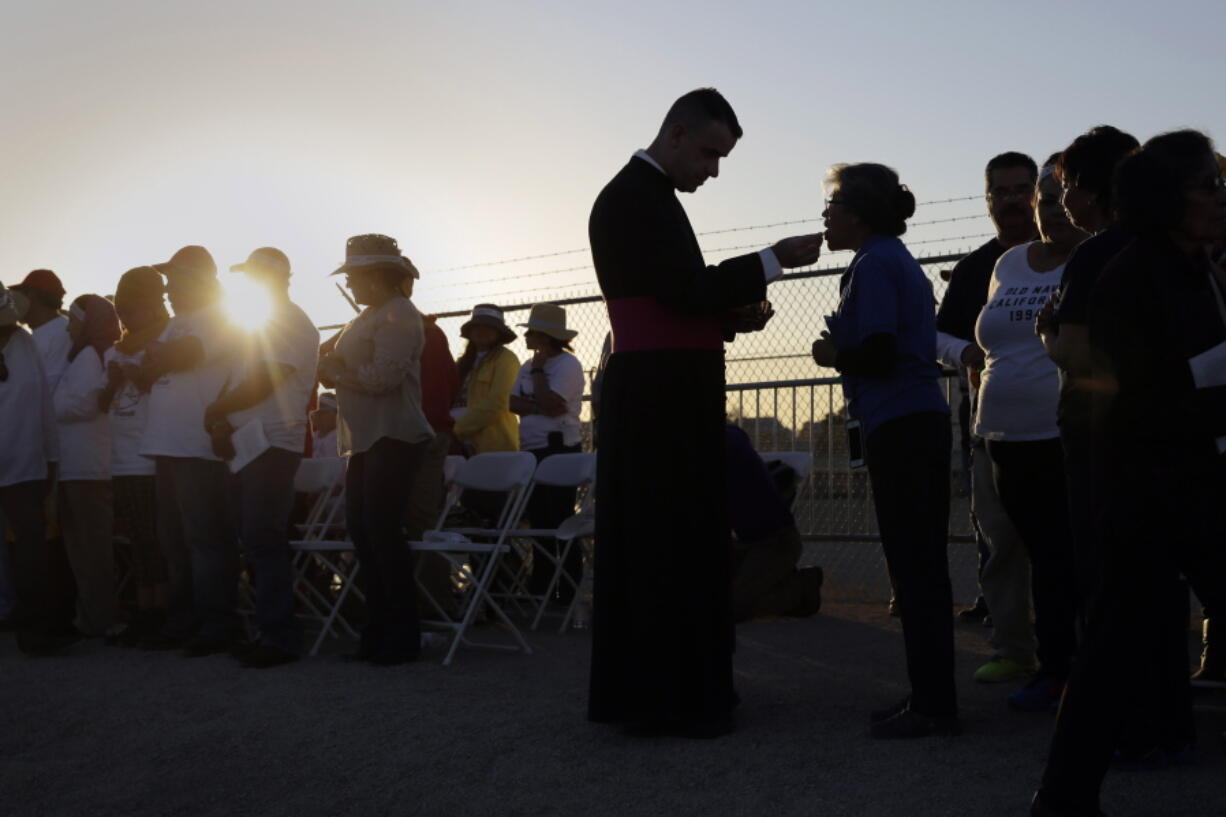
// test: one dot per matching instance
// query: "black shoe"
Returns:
(974, 614)
(1039, 807)
(879, 715)
(203, 645)
(160, 642)
(262, 656)
(911, 724)
(241, 649)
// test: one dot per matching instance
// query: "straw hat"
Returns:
(549, 319)
(375, 250)
(488, 315)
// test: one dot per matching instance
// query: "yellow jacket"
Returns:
(488, 422)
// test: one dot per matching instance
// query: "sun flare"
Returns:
(247, 304)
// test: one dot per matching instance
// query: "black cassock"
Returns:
(662, 630)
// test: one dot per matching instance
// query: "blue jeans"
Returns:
(377, 483)
(196, 523)
(264, 492)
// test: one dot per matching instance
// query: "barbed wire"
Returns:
(560, 253)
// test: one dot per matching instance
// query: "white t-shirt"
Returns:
(29, 438)
(85, 430)
(289, 338)
(1020, 385)
(53, 345)
(129, 412)
(175, 426)
(565, 375)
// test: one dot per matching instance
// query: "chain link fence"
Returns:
(775, 390)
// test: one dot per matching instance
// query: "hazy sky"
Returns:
(476, 131)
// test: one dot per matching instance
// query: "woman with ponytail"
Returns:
(86, 516)
(882, 340)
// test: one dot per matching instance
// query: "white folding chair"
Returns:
(576, 471)
(474, 553)
(451, 466)
(799, 461)
(323, 546)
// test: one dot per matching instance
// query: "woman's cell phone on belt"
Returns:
(855, 444)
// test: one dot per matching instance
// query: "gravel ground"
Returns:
(109, 731)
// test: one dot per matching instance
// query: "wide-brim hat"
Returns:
(489, 315)
(375, 250)
(13, 306)
(549, 319)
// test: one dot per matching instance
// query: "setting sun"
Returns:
(247, 304)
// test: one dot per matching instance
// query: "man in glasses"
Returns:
(1010, 181)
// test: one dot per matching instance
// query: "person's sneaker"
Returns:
(879, 715)
(974, 614)
(1040, 695)
(910, 724)
(999, 670)
(262, 656)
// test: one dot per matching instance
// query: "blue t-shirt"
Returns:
(885, 291)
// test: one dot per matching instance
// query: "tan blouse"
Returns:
(379, 392)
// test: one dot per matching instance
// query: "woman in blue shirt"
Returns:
(882, 340)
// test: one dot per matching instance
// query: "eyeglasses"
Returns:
(836, 200)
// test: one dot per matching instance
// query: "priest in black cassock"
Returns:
(662, 631)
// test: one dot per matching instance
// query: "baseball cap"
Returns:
(44, 280)
(263, 261)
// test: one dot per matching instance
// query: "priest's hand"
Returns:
(751, 318)
(798, 251)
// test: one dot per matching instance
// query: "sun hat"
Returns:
(373, 249)
(264, 261)
(549, 319)
(488, 315)
(13, 306)
(44, 280)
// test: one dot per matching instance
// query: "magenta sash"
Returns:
(642, 324)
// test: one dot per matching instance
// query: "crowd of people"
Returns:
(184, 434)
(1089, 334)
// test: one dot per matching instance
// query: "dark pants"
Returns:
(22, 504)
(1030, 482)
(136, 509)
(197, 527)
(909, 468)
(547, 507)
(265, 498)
(377, 483)
(1160, 524)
